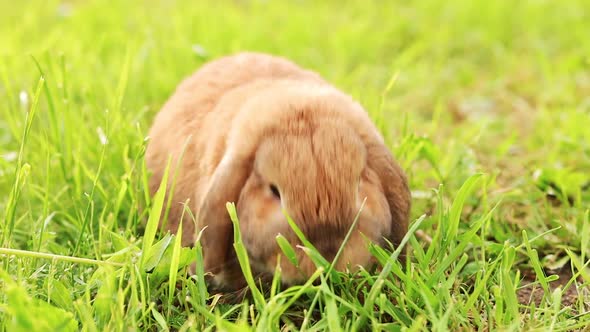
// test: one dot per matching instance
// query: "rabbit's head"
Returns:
(314, 155)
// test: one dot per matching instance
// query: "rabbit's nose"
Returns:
(327, 238)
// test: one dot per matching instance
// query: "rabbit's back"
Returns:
(181, 123)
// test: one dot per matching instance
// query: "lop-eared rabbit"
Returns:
(275, 138)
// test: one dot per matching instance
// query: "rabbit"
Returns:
(274, 138)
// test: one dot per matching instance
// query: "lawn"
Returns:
(485, 104)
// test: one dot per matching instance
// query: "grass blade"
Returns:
(21, 169)
(377, 286)
(174, 267)
(154, 218)
(243, 259)
(287, 249)
(457, 207)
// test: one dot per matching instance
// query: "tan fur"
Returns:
(254, 120)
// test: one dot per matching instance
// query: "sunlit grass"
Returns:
(485, 104)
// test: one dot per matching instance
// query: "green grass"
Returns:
(486, 104)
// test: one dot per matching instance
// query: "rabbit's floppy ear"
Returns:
(225, 186)
(395, 188)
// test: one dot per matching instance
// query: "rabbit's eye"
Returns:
(275, 191)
